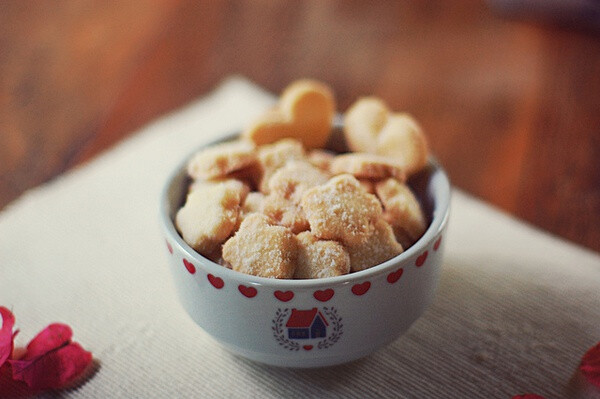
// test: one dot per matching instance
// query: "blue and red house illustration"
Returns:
(306, 324)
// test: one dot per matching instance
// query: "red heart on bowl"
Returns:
(361, 289)
(249, 292)
(169, 247)
(217, 282)
(395, 276)
(307, 347)
(189, 266)
(284, 296)
(324, 295)
(437, 243)
(421, 259)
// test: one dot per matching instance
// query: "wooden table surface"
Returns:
(512, 108)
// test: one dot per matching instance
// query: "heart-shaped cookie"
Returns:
(369, 126)
(362, 123)
(402, 139)
(305, 112)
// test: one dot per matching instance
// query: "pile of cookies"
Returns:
(275, 203)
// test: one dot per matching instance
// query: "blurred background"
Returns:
(508, 92)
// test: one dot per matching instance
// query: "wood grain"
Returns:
(512, 109)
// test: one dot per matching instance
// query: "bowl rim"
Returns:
(440, 211)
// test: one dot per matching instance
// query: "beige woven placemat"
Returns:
(514, 313)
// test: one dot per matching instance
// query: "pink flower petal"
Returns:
(590, 365)
(6, 334)
(50, 338)
(54, 369)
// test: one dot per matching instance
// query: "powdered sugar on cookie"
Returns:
(402, 210)
(367, 166)
(293, 179)
(380, 245)
(263, 205)
(262, 249)
(271, 157)
(209, 216)
(221, 159)
(341, 210)
(320, 258)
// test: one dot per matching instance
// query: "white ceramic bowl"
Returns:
(310, 323)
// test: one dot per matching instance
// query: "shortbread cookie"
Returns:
(381, 245)
(286, 187)
(341, 210)
(402, 138)
(369, 126)
(320, 258)
(261, 249)
(276, 204)
(221, 159)
(250, 175)
(320, 158)
(401, 235)
(234, 184)
(209, 216)
(367, 185)
(274, 156)
(403, 210)
(285, 212)
(305, 112)
(253, 202)
(367, 166)
(293, 179)
(362, 123)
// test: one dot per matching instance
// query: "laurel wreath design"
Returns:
(279, 331)
(336, 325)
